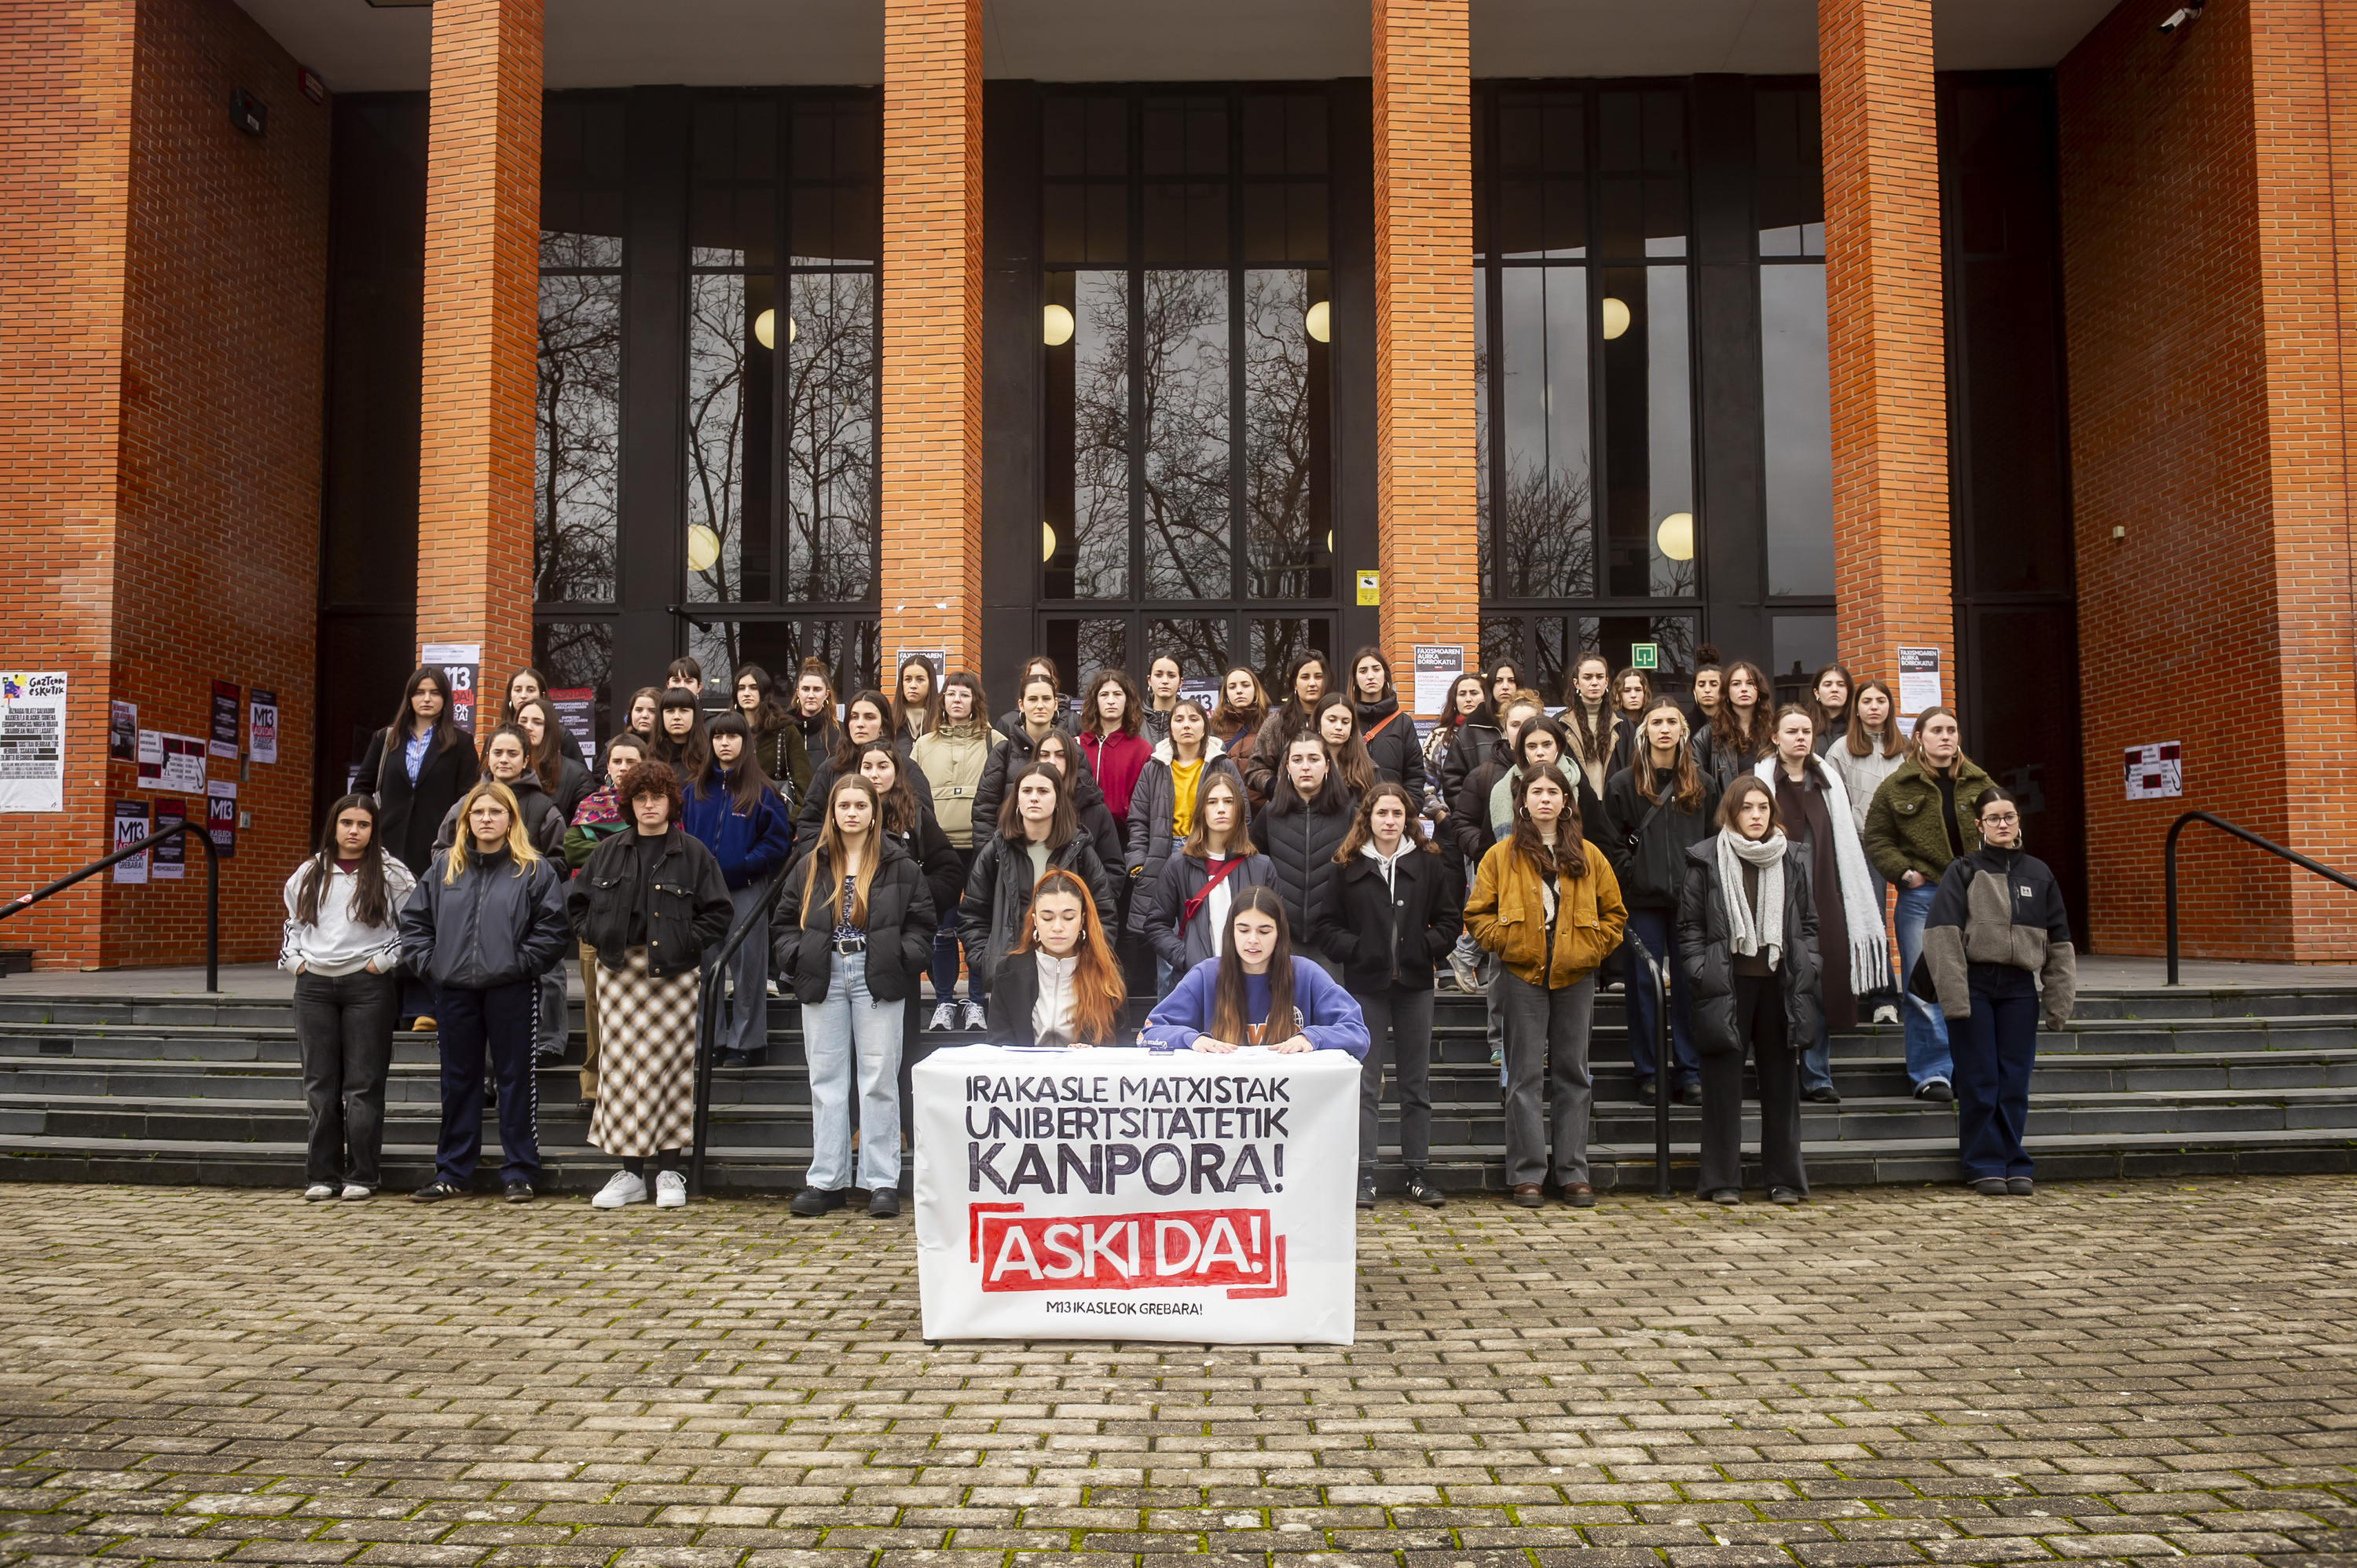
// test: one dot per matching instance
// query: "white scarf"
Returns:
(1753, 929)
(1869, 947)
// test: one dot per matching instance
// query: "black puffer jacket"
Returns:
(1473, 744)
(492, 926)
(1398, 751)
(1388, 937)
(1154, 804)
(998, 893)
(899, 927)
(1707, 963)
(690, 910)
(1299, 838)
(937, 857)
(1161, 905)
(811, 818)
(1010, 756)
(1653, 874)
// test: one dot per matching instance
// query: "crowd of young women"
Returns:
(1298, 873)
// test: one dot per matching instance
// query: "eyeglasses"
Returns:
(2001, 819)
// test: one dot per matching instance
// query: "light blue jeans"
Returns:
(1926, 1033)
(852, 1026)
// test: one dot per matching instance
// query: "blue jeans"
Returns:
(1656, 930)
(1926, 1033)
(945, 948)
(748, 1029)
(851, 1027)
(496, 1023)
(1816, 1058)
(1997, 1047)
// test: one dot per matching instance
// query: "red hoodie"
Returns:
(1117, 760)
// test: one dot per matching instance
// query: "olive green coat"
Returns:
(1903, 831)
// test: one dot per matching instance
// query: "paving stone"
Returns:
(2116, 1372)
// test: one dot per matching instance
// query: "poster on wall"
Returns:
(224, 729)
(171, 856)
(459, 663)
(221, 815)
(2155, 772)
(33, 741)
(261, 725)
(577, 715)
(1919, 680)
(130, 827)
(1438, 665)
(122, 732)
(174, 763)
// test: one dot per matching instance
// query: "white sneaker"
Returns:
(624, 1188)
(670, 1190)
(945, 1016)
(1886, 1013)
(355, 1193)
(1467, 967)
(318, 1192)
(973, 1015)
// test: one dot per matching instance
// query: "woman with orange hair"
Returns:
(1061, 985)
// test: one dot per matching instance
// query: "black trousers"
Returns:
(1399, 1031)
(493, 1029)
(1760, 1033)
(344, 1029)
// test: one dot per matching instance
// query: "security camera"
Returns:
(2180, 16)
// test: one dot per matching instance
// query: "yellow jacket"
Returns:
(1507, 915)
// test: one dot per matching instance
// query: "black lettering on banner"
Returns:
(1068, 1163)
(1031, 1170)
(977, 1165)
(1205, 1167)
(1121, 1160)
(1176, 1182)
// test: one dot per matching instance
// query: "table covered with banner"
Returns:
(1127, 1193)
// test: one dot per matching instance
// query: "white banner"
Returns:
(33, 741)
(1137, 1195)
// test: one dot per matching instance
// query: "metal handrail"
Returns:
(707, 1024)
(212, 887)
(1659, 977)
(2169, 868)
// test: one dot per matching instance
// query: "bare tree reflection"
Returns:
(1183, 374)
(578, 438)
(831, 437)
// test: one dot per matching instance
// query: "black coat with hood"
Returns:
(1653, 875)
(811, 818)
(1009, 757)
(1706, 958)
(900, 925)
(1397, 749)
(496, 925)
(1468, 745)
(1386, 936)
(998, 892)
(1299, 837)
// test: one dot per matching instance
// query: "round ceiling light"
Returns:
(1616, 317)
(1056, 326)
(1321, 322)
(702, 547)
(1676, 536)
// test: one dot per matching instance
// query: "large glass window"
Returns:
(1186, 425)
(1583, 347)
(577, 420)
(1795, 385)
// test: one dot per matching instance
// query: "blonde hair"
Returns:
(520, 842)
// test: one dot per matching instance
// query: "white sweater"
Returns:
(336, 944)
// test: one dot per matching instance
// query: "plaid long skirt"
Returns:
(646, 1061)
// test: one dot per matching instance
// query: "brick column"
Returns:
(482, 285)
(1424, 457)
(931, 498)
(1885, 335)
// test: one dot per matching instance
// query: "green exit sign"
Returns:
(1645, 656)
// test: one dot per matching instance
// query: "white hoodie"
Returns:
(338, 945)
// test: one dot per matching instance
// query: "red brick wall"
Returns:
(932, 437)
(482, 332)
(2207, 386)
(1425, 442)
(162, 310)
(1887, 334)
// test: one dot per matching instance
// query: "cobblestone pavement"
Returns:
(2129, 1373)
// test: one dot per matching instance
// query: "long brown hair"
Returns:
(1683, 772)
(1092, 720)
(1590, 740)
(898, 716)
(1823, 722)
(371, 902)
(769, 714)
(898, 805)
(1062, 827)
(691, 754)
(1198, 835)
(546, 760)
(1859, 742)
(1225, 715)
(446, 728)
(1915, 740)
(1350, 762)
(1363, 824)
(845, 758)
(972, 684)
(1569, 856)
(837, 854)
(1230, 1002)
(1741, 788)
(1730, 731)
(653, 694)
(1098, 989)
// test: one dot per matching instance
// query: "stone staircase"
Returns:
(2142, 1083)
